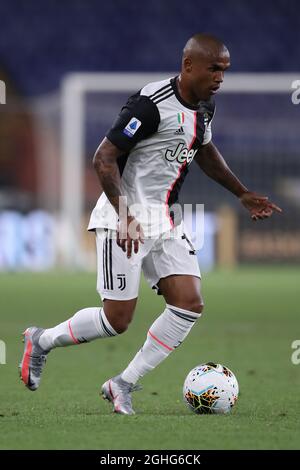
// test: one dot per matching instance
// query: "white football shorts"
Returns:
(118, 278)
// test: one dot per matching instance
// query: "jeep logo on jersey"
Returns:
(181, 154)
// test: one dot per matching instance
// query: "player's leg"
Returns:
(182, 291)
(115, 389)
(184, 306)
(120, 294)
(176, 267)
(90, 323)
(86, 325)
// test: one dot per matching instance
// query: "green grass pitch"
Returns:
(251, 319)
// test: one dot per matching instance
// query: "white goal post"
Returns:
(73, 90)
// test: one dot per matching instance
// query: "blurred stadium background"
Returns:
(52, 51)
(43, 135)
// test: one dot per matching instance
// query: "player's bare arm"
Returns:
(105, 163)
(213, 164)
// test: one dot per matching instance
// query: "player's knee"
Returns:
(191, 304)
(195, 305)
(119, 314)
(120, 319)
(198, 307)
(121, 325)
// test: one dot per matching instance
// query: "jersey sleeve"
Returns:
(137, 120)
(209, 109)
(207, 134)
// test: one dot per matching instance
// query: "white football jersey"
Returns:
(159, 134)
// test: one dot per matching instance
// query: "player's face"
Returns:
(208, 74)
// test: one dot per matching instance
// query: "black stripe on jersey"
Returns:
(162, 93)
(179, 97)
(104, 273)
(163, 98)
(110, 264)
(173, 196)
(106, 266)
(160, 90)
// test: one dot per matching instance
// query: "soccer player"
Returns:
(141, 164)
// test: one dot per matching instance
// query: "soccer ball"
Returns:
(210, 389)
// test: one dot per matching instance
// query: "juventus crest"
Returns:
(122, 281)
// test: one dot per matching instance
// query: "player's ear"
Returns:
(187, 64)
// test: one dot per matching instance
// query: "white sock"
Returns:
(87, 324)
(166, 334)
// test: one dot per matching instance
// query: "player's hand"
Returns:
(129, 233)
(259, 206)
